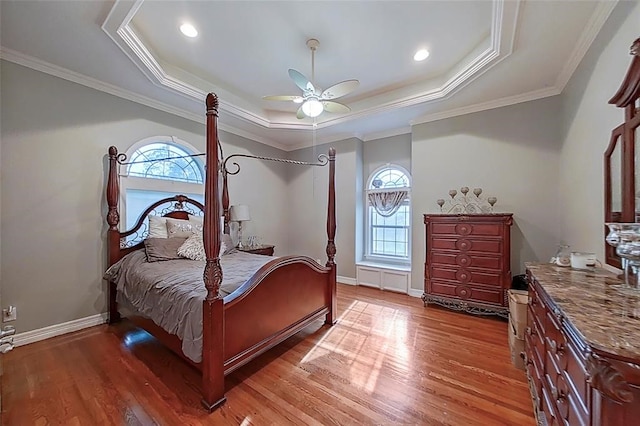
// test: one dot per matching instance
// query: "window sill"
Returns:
(384, 265)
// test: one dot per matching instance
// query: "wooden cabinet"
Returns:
(468, 262)
(573, 382)
(265, 250)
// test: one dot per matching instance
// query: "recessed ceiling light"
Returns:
(421, 55)
(189, 30)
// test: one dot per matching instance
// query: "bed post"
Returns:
(331, 234)
(213, 306)
(113, 234)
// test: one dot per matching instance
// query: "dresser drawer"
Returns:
(467, 276)
(465, 260)
(466, 244)
(467, 228)
(461, 291)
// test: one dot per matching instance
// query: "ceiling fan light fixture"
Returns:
(312, 107)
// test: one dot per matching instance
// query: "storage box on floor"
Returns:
(518, 300)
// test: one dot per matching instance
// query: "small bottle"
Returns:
(563, 255)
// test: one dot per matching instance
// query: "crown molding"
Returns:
(387, 134)
(483, 106)
(503, 29)
(74, 77)
(503, 34)
(593, 27)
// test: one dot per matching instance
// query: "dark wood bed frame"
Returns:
(283, 297)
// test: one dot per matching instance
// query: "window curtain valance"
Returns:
(387, 202)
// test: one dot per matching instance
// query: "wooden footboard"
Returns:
(283, 297)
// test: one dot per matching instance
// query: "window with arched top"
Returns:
(388, 223)
(159, 167)
(165, 161)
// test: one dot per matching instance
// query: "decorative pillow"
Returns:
(159, 249)
(197, 222)
(193, 248)
(157, 227)
(178, 228)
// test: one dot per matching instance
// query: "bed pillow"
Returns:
(178, 228)
(197, 222)
(157, 227)
(160, 249)
(226, 245)
(193, 248)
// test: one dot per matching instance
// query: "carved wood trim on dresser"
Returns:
(582, 348)
(468, 262)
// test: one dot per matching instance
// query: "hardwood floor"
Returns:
(388, 361)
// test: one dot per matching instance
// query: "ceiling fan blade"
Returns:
(300, 114)
(331, 106)
(282, 98)
(301, 81)
(340, 89)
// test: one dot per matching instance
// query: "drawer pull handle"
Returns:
(558, 396)
(555, 348)
(530, 331)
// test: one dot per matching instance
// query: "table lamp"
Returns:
(239, 213)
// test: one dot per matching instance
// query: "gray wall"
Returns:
(55, 136)
(378, 152)
(588, 119)
(512, 153)
(307, 212)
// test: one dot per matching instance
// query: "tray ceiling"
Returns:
(483, 54)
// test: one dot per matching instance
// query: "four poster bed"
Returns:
(283, 296)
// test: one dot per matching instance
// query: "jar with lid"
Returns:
(563, 255)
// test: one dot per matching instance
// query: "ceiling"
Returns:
(483, 54)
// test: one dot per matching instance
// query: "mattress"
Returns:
(171, 292)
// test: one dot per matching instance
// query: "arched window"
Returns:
(388, 215)
(165, 161)
(159, 167)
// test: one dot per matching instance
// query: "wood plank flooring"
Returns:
(388, 361)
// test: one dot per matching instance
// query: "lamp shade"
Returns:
(239, 213)
(312, 107)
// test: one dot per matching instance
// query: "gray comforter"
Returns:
(171, 292)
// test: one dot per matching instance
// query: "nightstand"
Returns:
(265, 250)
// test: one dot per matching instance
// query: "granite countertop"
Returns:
(597, 304)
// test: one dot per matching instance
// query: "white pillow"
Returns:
(179, 228)
(193, 248)
(158, 227)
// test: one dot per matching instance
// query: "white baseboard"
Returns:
(32, 336)
(346, 280)
(415, 293)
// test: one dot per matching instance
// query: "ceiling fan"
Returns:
(314, 100)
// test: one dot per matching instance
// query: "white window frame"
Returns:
(155, 184)
(376, 258)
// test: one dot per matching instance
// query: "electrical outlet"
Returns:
(9, 314)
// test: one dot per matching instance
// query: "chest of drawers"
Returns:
(467, 265)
